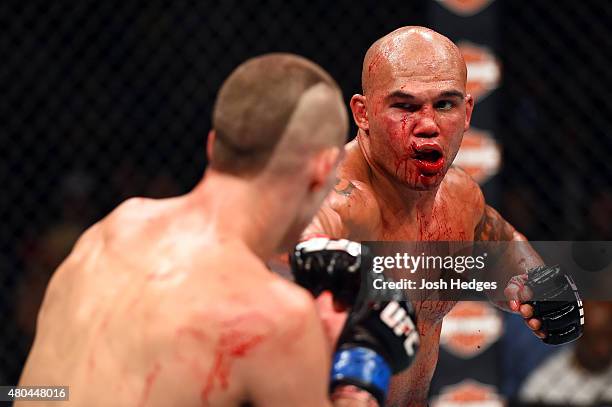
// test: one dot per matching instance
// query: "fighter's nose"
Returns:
(426, 127)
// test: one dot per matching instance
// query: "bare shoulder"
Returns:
(356, 205)
(87, 246)
(90, 238)
(136, 217)
(297, 301)
(462, 183)
(350, 193)
(245, 297)
(352, 186)
(245, 275)
(94, 240)
(350, 210)
(462, 189)
(293, 343)
(132, 209)
(288, 301)
(295, 327)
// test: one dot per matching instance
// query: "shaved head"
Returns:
(414, 99)
(411, 51)
(274, 108)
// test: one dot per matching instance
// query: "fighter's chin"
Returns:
(423, 179)
(427, 182)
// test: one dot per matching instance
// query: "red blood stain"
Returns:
(373, 64)
(218, 372)
(399, 163)
(234, 343)
(242, 348)
(96, 338)
(404, 123)
(420, 225)
(149, 381)
(231, 345)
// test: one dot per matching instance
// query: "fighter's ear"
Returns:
(209, 144)
(324, 167)
(360, 112)
(469, 107)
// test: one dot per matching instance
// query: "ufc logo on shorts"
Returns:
(396, 318)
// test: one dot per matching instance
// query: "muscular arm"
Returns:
(493, 227)
(349, 212)
(512, 261)
(514, 257)
(328, 220)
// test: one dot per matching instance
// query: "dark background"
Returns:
(103, 100)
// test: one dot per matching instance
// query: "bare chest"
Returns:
(450, 224)
(446, 222)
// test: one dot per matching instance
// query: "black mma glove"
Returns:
(378, 340)
(320, 263)
(556, 303)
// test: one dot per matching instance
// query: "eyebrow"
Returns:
(445, 94)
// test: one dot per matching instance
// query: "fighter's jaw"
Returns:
(427, 183)
(411, 174)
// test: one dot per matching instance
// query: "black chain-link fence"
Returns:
(104, 100)
(556, 118)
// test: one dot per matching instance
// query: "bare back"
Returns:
(152, 308)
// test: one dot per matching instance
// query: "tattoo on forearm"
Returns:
(493, 227)
(344, 187)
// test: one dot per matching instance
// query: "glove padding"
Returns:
(388, 328)
(320, 263)
(556, 303)
(378, 340)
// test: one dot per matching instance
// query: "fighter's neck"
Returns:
(394, 198)
(237, 209)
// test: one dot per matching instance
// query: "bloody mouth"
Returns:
(429, 160)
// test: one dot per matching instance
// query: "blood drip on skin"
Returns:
(413, 178)
(404, 121)
(230, 347)
(373, 64)
(420, 225)
(402, 162)
(234, 343)
(399, 162)
(91, 362)
(443, 229)
(149, 381)
(430, 312)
